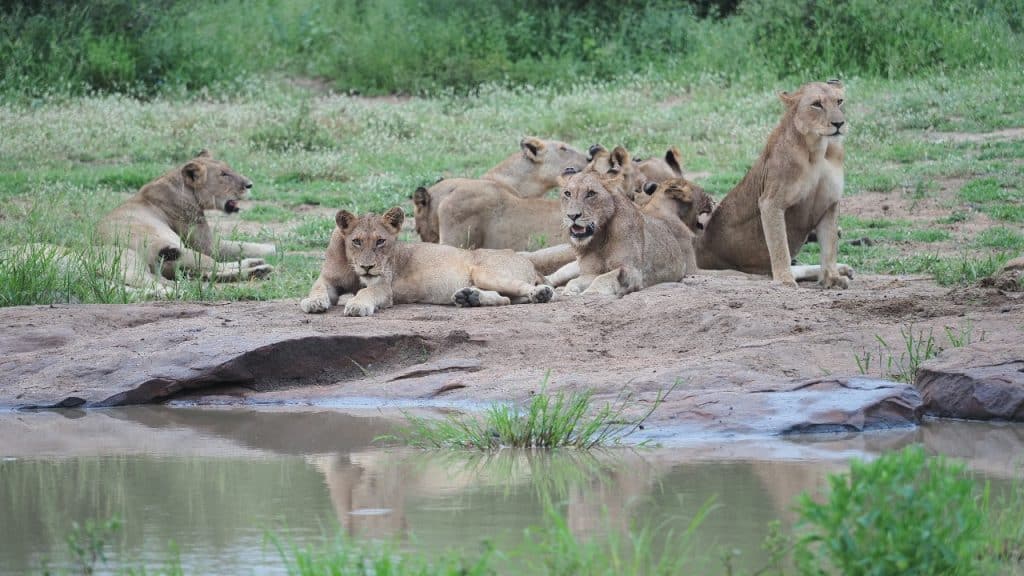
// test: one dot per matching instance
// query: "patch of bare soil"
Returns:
(718, 338)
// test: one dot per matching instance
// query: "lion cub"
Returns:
(791, 190)
(164, 225)
(404, 273)
(619, 247)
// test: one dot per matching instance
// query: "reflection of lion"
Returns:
(398, 272)
(620, 248)
(164, 225)
(792, 189)
(527, 174)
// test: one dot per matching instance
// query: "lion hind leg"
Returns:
(607, 284)
(472, 296)
(812, 272)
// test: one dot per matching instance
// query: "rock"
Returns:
(820, 405)
(982, 381)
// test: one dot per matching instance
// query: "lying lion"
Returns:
(527, 174)
(619, 247)
(394, 272)
(164, 226)
(793, 189)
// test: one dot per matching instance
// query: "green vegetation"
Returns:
(97, 98)
(902, 363)
(548, 421)
(406, 46)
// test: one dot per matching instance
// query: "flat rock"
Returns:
(982, 381)
(742, 356)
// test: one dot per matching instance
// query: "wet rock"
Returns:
(982, 381)
(810, 406)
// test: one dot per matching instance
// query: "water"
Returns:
(217, 481)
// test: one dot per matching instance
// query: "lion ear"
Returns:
(788, 98)
(345, 220)
(593, 151)
(393, 218)
(193, 173)
(619, 160)
(674, 159)
(204, 153)
(421, 197)
(532, 147)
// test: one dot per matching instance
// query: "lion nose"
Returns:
(367, 268)
(838, 125)
(574, 216)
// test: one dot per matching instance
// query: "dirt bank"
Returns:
(749, 357)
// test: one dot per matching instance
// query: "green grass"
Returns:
(548, 421)
(64, 162)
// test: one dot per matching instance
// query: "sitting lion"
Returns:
(164, 226)
(792, 189)
(368, 249)
(619, 247)
(527, 174)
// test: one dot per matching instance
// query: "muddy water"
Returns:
(215, 482)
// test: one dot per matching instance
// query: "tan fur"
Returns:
(394, 272)
(163, 224)
(792, 189)
(528, 173)
(627, 249)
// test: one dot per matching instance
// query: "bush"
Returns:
(904, 513)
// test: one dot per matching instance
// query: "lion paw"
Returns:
(315, 305)
(258, 272)
(785, 283)
(541, 294)
(830, 281)
(357, 308)
(467, 297)
(169, 254)
(845, 270)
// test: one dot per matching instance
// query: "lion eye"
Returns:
(223, 173)
(567, 194)
(840, 102)
(356, 242)
(591, 194)
(380, 242)
(817, 104)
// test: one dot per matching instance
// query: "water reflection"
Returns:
(214, 481)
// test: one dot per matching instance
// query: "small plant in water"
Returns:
(548, 421)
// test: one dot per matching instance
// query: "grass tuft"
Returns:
(548, 421)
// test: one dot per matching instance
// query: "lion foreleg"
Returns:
(370, 299)
(773, 221)
(563, 274)
(230, 250)
(321, 297)
(828, 238)
(513, 286)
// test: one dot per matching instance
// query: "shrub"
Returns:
(904, 513)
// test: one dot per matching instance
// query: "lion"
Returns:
(393, 272)
(619, 247)
(164, 226)
(792, 189)
(529, 173)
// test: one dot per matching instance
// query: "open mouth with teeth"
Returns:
(578, 232)
(231, 206)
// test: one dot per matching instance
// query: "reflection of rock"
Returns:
(982, 381)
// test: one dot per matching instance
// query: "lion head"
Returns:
(682, 199)
(425, 215)
(617, 163)
(551, 157)
(588, 203)
(215, 184)
(370, 242)
(817, 109)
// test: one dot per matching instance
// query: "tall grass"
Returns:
(417, 46)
